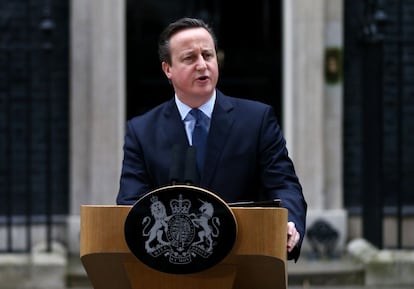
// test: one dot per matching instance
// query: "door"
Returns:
(249, 42)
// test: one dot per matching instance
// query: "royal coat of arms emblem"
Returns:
(180, 229)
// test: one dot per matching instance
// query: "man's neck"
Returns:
(195, 102)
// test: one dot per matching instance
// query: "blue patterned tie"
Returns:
(199, 136)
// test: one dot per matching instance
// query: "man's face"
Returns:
(193, 70)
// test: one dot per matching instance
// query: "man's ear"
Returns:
(166, 68)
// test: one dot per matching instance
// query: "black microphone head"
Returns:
(176, 164)
(191, 173)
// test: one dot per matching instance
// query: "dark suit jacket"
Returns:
(246, 157)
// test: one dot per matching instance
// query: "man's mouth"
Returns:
(203, 78)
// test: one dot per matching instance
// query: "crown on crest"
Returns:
(180, 206)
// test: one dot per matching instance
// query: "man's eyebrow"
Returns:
(187, 51)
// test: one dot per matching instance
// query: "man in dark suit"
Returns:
(245, 156)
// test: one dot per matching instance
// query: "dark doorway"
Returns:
(249, 38)
(379, 118)
(34, 121)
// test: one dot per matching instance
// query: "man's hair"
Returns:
(164, 51)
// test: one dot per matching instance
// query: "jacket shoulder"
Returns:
(152, 114)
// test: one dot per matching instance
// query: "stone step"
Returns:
(342, 271)
(304, 273)
(76, 275)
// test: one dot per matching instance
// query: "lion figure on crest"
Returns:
(159, 213)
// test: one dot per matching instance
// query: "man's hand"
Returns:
(292, 236)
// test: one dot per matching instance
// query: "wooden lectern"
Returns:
(258, 258)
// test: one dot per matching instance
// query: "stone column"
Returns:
(304, 94)
(97, 105)
(312, 108)
(333, 108)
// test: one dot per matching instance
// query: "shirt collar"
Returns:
(206, 108)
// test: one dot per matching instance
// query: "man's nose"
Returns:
(201, 63)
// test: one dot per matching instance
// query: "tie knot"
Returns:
(200, 118)
(197, 114)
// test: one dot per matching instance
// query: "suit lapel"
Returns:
(173, 126)
(221, 123)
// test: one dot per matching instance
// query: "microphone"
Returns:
(190, 173)
(175, 168)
